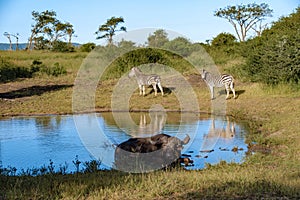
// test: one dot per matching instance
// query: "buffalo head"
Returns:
(150, 153)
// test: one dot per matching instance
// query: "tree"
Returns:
(6, 34)
(63, 29)
(259, 27)
(42, 22)
(48, 30)
(17, 40)
(244, 17)
(69, 31)
(180, 45)
(158, 39)
(110, 28)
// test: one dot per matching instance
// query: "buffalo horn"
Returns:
(186, 139)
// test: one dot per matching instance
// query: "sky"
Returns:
(193, 19)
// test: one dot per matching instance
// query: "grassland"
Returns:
(272, 114)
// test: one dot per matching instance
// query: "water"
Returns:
(30, 142)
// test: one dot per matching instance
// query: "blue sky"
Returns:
(192, 18)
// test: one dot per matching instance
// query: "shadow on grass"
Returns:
(237, 92)
(31, 91)
(251, 190)
(165, 89)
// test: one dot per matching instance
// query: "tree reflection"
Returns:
(48, 123)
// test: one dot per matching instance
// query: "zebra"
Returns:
(218, 81)
(143, 79)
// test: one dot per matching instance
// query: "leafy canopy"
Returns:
(110, 28)
(244, 17)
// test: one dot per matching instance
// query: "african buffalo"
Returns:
(149, 153)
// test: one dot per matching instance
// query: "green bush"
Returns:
(10, 72)
(274, 57)
(88, 47)
(60, 46)
(142, 56)
(54, 70)
(223, 39)
(180, 45)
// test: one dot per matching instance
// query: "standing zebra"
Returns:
(143, 79)
(218, 81)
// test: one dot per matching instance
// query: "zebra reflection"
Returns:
(145, 80)
(156, 125)
(216, 132)
(220, 131)
(218, 81)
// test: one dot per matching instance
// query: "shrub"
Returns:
(88, 47)
(274, 57)
(55, 70)
(179, 45)
(223, 39)
(60, 46)
(10, 72)
(142, 56)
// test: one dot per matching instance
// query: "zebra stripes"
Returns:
(218, 81)
(143, 80)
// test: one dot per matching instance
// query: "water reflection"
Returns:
(48, 123)
(137, 124)
(218, 129)
(28, 142)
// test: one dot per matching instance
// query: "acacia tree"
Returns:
(48, 30)
(42, 22)
(244, 17)
(62, 30)
(259, 27)
(69, 31)
(110, 28)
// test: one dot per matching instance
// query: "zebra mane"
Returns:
(137, 70)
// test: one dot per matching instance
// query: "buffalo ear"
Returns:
(186, 139)
(164, 140)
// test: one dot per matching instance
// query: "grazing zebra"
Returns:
(143, 79)
(218, 81)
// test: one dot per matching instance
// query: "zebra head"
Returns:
(203, 73)
(132, 72)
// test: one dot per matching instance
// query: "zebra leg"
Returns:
(161, 89)
(232, 89)
(140, 87)
(143, 90)
(155, 89)
(211, 92)
(227, 90)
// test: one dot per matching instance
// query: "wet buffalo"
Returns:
(150, 153)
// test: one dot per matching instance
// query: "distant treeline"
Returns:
(21, 46)
(6, 46)
(271, 58)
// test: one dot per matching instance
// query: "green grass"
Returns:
(271, 113)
